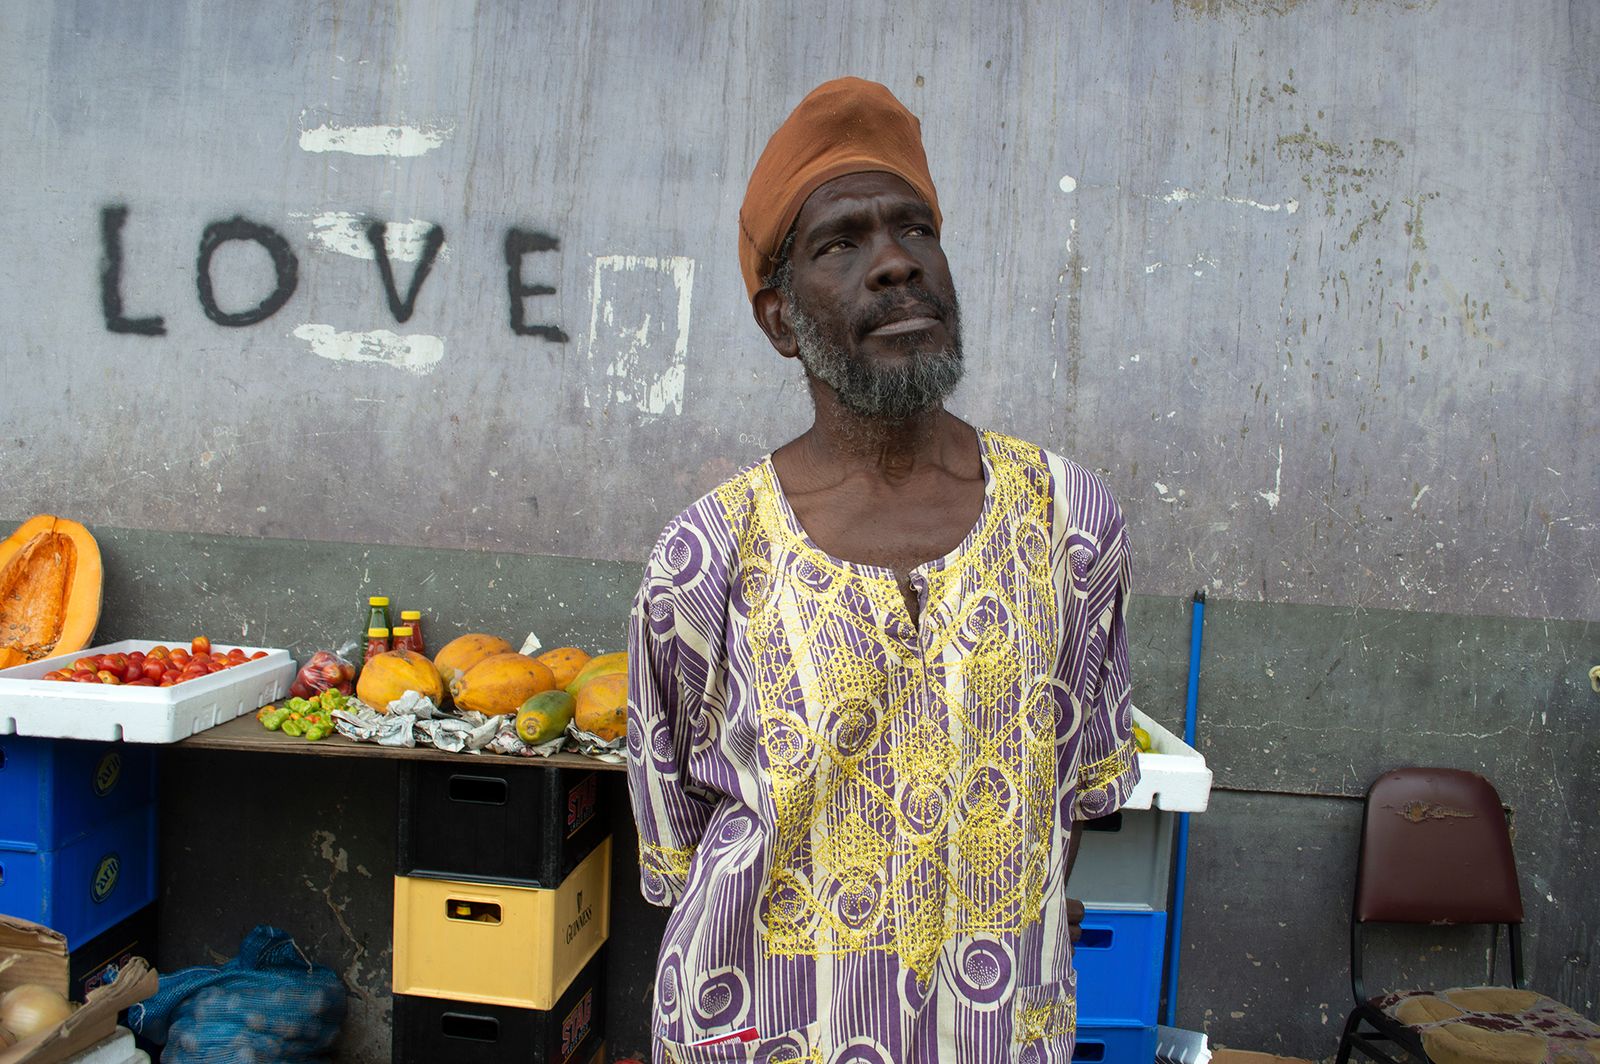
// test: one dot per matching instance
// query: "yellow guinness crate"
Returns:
(496, 944)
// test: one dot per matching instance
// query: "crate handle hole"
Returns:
(1089, 1051)
(481, 912)
(478, 790)
(1095, 938)
(469, 1028)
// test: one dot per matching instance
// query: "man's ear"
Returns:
(771, 310)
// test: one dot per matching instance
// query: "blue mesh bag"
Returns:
(270, 1003)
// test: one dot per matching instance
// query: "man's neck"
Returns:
(842, 444)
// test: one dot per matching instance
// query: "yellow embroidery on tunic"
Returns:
(1099, 774)
(1050, 1020)
(913, 787)
(670, 862)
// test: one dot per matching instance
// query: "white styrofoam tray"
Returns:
(118, 1048)
(53, 709)
(1173, 776)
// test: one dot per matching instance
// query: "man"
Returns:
(878, 675)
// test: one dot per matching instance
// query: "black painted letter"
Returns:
(520, 242)
(402, 308)
(111, 219)
(283, 261)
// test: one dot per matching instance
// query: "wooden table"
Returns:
(245, 734)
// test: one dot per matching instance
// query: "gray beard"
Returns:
(918, 384)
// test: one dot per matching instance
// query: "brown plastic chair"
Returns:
(1436, 850)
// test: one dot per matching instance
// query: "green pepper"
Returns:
(294, 727)
(319, 731)
(274, 720)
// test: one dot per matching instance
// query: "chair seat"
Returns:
(1494, 1025)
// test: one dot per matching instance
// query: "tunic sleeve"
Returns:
(663, 705)
(1108, 766)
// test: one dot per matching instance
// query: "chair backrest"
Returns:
(1435, 849)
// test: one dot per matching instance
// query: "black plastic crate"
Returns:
(429, 1030)
(97, 961)
(501, 822)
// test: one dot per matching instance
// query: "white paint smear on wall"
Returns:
(393, 141)
(1183, 195)
(346, 234)
(417, 353)
(639, 325)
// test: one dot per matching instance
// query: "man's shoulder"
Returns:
(1066, 474)
(713, 518)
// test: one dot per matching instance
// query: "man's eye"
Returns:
(922, 230)
(835, 245)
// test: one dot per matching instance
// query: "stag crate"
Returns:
(500, 944)
(1124, 859)
(428, 1030)
(1118, 962)
(88, 886)
(1115, 1045)
(512, 822)
(54, 791)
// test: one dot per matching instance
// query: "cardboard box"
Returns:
(40, 956)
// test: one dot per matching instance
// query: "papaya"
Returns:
(462, 653)
(501, 683)
(50, 583)
(545, 716)
(604, 665)
(601, 706)
(385, 677)
(564, 662)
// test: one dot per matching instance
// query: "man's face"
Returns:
(870, 301)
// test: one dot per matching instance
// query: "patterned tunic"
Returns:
(859, 818)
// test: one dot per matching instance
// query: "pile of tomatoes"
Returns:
(157, 667)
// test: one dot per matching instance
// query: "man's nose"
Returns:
(892, 265)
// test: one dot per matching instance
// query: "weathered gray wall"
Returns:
(1309, 280)
(1318, 300)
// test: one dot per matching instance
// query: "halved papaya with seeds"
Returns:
(50, 585)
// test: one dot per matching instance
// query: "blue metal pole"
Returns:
(1197, 619)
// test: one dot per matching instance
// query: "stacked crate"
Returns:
(501, 907)
(78, 848)
(1122, 876)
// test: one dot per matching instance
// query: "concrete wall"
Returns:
(1308, 280)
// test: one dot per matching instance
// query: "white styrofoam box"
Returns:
(1173, 776)
(58, 710)
(1177, 1046)
(116, 1049)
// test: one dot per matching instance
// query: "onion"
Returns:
(30, 1008)
(7, 1039)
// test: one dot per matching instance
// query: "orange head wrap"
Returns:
(846, 126)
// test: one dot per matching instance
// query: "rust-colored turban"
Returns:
(846, 126)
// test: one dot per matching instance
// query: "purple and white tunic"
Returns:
(861, 818)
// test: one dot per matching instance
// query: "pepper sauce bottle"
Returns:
(413, 619)
(405, 638)
(377, 643)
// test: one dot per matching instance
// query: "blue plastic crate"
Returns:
(1115, 1045)
(87, 886)
(1118, 961)
(55, 791)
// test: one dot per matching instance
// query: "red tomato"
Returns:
(237, 655)
(141, 682)
(179, 656)
(258, 655)
(200, 645)
(166, 682)
(132, 673)
(107, 676)
(85, 677)
(85, 665)
(158, 651)
(215, 666)
(153, 671)
(137, 657)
